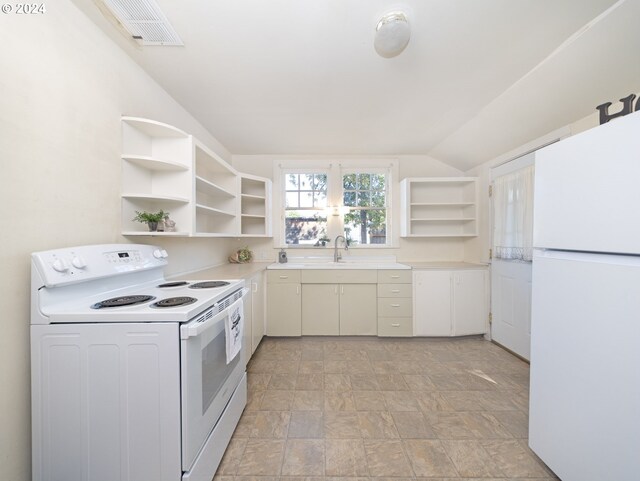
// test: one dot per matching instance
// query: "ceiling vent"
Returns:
(144, 20)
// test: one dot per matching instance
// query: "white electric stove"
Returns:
(131, 374)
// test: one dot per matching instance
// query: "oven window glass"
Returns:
(215, 369)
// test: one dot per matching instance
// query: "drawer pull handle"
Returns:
(395, 277)
(284, 277)
(395, 324)
(395, 305)
(395, 291)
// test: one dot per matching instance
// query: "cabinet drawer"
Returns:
(394, 290)
(395, 326)
(394, 307)
(338, 276)
(394, 276)
(283, 276)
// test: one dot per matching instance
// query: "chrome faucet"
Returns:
(336, 255)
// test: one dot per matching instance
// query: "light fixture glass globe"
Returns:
(392, 34)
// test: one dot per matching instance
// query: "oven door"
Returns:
(207, 380)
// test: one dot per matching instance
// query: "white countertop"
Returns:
(339, 265)
(445, 265)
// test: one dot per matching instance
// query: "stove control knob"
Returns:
(79, 262)
(165, 254)
(157, 254)
(60, 265)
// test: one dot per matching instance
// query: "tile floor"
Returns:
(323, 408)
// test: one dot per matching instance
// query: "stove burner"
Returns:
(174, 284)
(122, 301)
(174, 302)
(208, 284)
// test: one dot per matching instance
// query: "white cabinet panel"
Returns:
(320, 310)
(358, 314)
(450, 302)
(469, 302)
(432, 301)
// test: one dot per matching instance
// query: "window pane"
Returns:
(364, 199)
(349, 181)
(306, 199)
(377, 182)
(366, 226)
(350, 199)
(305, 227)
(306, 181)
(320, 200)
(377, 199)
(364, 181)
(320, 182)
(292, 182)
(292, 199)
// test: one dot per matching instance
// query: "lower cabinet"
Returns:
(339, 309)
(253, 315)
(358, 313)
(257, 287)
(394, 303)
(450, 302)
(284, 306)
(320, 310)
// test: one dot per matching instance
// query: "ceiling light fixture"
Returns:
(392, 34)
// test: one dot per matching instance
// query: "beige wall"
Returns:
(409, 249)
(64, 86)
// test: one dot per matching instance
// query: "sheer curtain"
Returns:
(513, 215)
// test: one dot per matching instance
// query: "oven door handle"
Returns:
(196, 327)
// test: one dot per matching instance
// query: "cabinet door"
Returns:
(248, 327)
(283, 310)
(469, 302)
(432, 301)
(257, 308)
(358, 309)
(320, 310)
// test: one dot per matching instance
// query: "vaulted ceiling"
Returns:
(477, 79)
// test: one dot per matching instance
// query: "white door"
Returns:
(511, 284)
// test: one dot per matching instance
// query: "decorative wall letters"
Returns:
(627, 108)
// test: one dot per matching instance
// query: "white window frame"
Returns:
(334, 170)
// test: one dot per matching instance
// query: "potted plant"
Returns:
(150, 218)
(241, 256)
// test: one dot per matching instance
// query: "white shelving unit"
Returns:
(216, 194)
(439, 207)
(164, 168)
(156, 174)
(255, 206)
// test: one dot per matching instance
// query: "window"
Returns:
(305, 208)
(318, 200)
(513, 215)
(365, 195)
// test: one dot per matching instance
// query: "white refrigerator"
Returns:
(584, 419)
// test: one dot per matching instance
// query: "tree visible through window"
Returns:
(305, 205)
(366, 196)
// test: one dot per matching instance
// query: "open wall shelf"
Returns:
(439, 207)
(164, 168)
